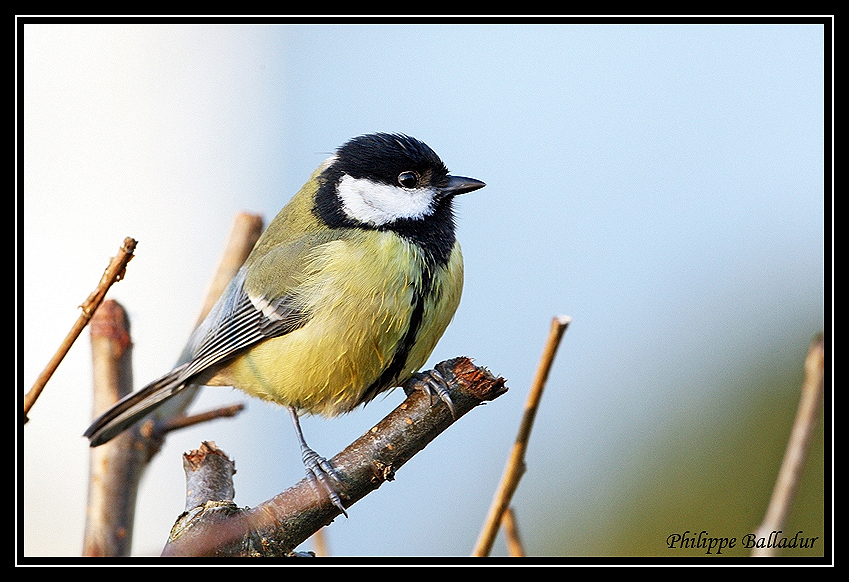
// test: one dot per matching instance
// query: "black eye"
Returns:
(408, 179)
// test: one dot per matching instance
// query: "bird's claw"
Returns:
(433, 385)
(319, 470)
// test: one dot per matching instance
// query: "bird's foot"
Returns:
(433, 385)
(320, 471)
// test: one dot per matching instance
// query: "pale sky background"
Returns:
(661, 184)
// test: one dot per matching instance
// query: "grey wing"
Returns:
(235, 323)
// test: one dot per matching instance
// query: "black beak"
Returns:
(460, 185)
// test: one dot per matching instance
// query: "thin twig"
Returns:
(798, 444)
(113, 273)
(516, 462)
(515, 548)
(178, 422)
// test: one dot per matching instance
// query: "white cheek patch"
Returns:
(378, 204)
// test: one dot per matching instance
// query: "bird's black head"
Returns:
(387, 181)
(391, 159)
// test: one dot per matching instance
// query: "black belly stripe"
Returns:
(389, 377)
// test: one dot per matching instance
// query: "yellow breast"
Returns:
(359, 292)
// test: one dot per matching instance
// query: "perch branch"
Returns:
(277, 526)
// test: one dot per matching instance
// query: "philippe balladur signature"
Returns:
(703, 540)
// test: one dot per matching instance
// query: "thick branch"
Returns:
(277, 526)
(209, 475)
(116, 467)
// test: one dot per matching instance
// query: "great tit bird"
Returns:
(344, 296)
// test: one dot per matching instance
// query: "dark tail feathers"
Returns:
(135, 406)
